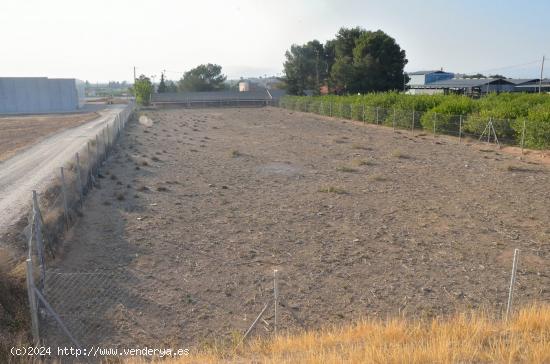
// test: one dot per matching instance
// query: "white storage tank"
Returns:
(244, 86)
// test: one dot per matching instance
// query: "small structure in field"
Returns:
(244, 86)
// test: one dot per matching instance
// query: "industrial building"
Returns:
(39, 95)
(421, 78)
(465, 86)
(439, 82)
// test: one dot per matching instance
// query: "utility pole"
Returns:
(541, 71)
(134, 74)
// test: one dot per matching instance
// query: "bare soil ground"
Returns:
(19, 132)
(198, 207)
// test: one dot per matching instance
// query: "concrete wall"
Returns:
(34, 95)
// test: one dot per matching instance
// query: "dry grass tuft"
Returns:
(332, 189)
(514, 168)
(347, 169)
(361, 147)
(399, 154)
(376, 178)
(465, 338)
(362, 162)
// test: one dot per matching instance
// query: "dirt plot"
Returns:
(199, 206)
(19, 132)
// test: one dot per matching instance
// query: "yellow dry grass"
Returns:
(465, 338)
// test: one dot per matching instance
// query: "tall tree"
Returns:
(379, 63)
(305, 67)
(143, 88)
(171, 86)
(356, 60)
(205, 77)
(161, 88)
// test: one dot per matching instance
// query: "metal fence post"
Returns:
(104, 145)
(435, 121)
(79, 179)
(330, 108)
(512, 282)
(32, 303)
(460, 130)
(377, 115)
(276, 299)
(412, 124)
(37, 227)
(363, 112)
(523, 136)
(64, 193)
(97, 155)
(394, 116)
(109, 137)
(90, 165)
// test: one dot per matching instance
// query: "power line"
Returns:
(511, 66)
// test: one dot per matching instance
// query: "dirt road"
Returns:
(32, 168)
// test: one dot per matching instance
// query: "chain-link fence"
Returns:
(57, 208)
(128, 307)
(473, 127)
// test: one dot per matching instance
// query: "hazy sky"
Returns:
(102, 40)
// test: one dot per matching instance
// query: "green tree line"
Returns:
(205, 77)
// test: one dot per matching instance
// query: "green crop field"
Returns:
(515, 117)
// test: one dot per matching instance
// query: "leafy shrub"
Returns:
(537, 128)
(506, 110)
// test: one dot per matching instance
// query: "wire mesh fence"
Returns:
(474, 127)
(126, 307)
(54, 210)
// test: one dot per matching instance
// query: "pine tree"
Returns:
(162, 85)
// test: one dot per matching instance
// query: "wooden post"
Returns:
(64, 193)
(377, 115)
(394, 116)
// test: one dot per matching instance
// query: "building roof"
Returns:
(521, 81)
(536, 83)
(424, 72)
(464, 83)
